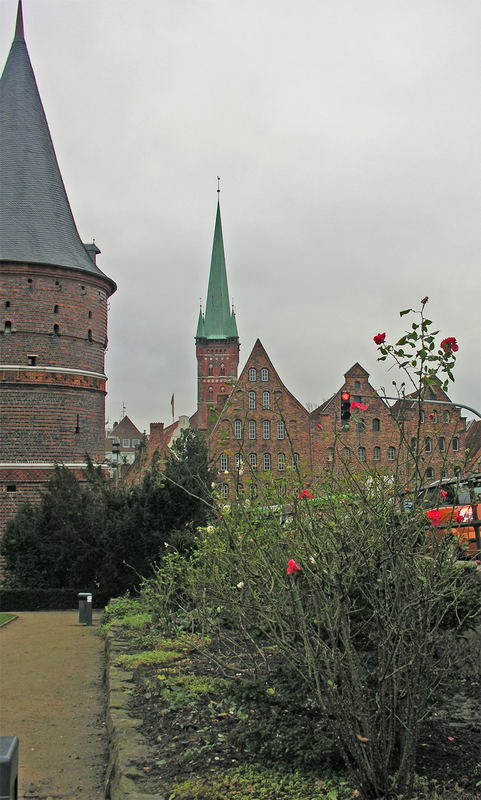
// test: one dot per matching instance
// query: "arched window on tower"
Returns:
(210, 371)
(222, 370)
(210, 395)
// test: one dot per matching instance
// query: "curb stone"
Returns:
(127, 746)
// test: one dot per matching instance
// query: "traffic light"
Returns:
(345, 409)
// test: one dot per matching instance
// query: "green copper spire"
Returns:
(218, 321)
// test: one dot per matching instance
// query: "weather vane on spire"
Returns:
(218, 185)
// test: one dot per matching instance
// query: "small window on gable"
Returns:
(266, 400)
(361, 453)
(237, 429)
(376, 454)
(252, 375)
(281, 462)
(264, 374)
(210, 395)
(357, 385)
(251, 397)
(223, 462)
(376, 425)
(8, 326)
(281, 431)
(210, 371)
(222, 370)
(125, 442)
(267, 461)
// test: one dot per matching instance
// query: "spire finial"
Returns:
(19, 25)
(218, 185)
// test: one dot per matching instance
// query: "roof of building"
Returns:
(218, 320)
(36, 221)
(125, 428)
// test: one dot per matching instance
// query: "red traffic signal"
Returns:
(345, 407)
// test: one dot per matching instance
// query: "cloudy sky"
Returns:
(346, 134)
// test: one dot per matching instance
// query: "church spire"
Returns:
(218, 321)
(19, 25)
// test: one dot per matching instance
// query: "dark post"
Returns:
(84, 609)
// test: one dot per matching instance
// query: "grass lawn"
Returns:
(6, 616)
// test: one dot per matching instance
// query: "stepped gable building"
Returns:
(53, 304)
(216, 339)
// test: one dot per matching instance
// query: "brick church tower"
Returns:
(217, 340)
(53, 303)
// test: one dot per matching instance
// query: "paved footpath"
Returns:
(51, 697)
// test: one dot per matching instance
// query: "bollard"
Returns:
(8, 768)
(85, 608)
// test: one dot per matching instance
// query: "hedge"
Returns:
(46, 599)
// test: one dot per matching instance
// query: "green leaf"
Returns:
(402, 340)
(406, 311)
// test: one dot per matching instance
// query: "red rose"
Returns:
(434, 516)
(292, 567)
(443, 494)
(319, 426)
(458, 518)
(432, 416)
(379, 338)
(304, 493)
(449, 345)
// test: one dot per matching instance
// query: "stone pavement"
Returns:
(52, 698)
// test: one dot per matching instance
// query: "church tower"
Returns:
(53, 303)
(217, 340)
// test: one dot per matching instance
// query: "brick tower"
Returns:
(53, 303)
(217, 340)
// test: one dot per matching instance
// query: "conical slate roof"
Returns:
(36, 222)
(218, 321)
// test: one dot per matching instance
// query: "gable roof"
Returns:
(36, 221)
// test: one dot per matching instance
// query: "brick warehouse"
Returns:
(257, 430)
(53, 323)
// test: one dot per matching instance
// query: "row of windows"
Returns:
(252, 429)
(433, 416)
(252, 375)
(210, 371)
(361, 454)
(56, 330)
(55, 308)
(252, 400)
(266, 461)
(428, 444)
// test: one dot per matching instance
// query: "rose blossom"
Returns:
(292, 567)
(379, 338)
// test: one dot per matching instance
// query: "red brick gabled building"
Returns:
(262, 431)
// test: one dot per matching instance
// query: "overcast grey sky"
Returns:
(347, 137)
